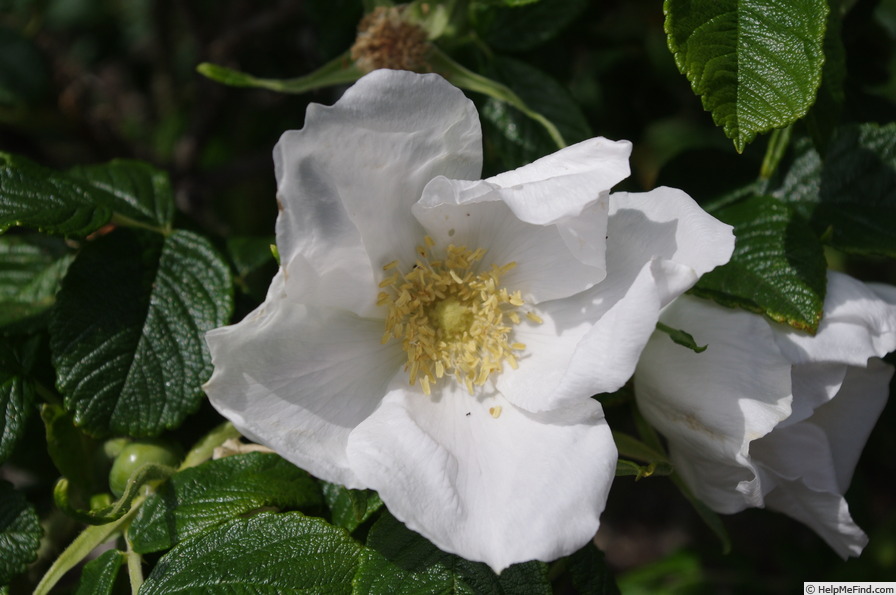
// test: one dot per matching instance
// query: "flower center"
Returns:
(450, 319)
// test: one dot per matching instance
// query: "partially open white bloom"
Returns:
(770, 416)
(437, 337)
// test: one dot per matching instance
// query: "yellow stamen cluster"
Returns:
(450, 319)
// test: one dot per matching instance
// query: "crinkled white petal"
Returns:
(666, 224)
(813, 385)
(347, 180)
(659, 244)
(546, 268)
(299, 378)
(558, 186)
(711, 405)
(848, 419)
(858, 324)
(799, 479)
(500, 489)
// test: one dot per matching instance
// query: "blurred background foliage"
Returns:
(86, 81)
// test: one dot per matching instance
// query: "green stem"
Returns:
(202, 450)
(135, 568)
(340, 70)
(777, 146)
(79, 549)
(462, 77)
(123, 221)
(46, 394)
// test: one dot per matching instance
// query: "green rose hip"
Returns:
(138, 453)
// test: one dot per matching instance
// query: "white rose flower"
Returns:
(770, 416)
(436, 337)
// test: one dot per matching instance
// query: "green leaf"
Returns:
(99, 575)
(195, 500)
(350, 508)
(629, 446)
(630, 468)
(523, 25)
(127, 330)
(849, 195)
(141, 192)
(71, 450)
(589, 572)
(31, 268)
(253, 262)
(681, 337)
(17, 393)
(756, 64)
(35, 196)
(399, 560)
(778, 266)
(268, 553)
(520, 139)
(20, 533)
(823, 118)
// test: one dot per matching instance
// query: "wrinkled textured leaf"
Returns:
(350, 508)
(141, 191)
(401, 561)
(756, 64)
(44, 199)
(851, 194)
(99, 575)
(20, 533)
(197, 499)
(520, 139)
(778, 266)
(823, 119)
(31, 267)
(127, 330)
(16, 392)
(589, 573)
(268, 553)
(523, 24)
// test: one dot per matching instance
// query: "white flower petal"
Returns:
(800, 480)
(667, 224)
(347, 180)
(848, 419)
(858, 323)
(299, 379)
(659, 243)
(560, 185)
(825, 513)
(586, 344)
(545, 268)
(711, 405)
(814, 384)
(500, 489)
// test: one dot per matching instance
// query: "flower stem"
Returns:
(202, 450)
(464, 78)
(135, 568)
(777, 146)
(338, 71)
(83, 544)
